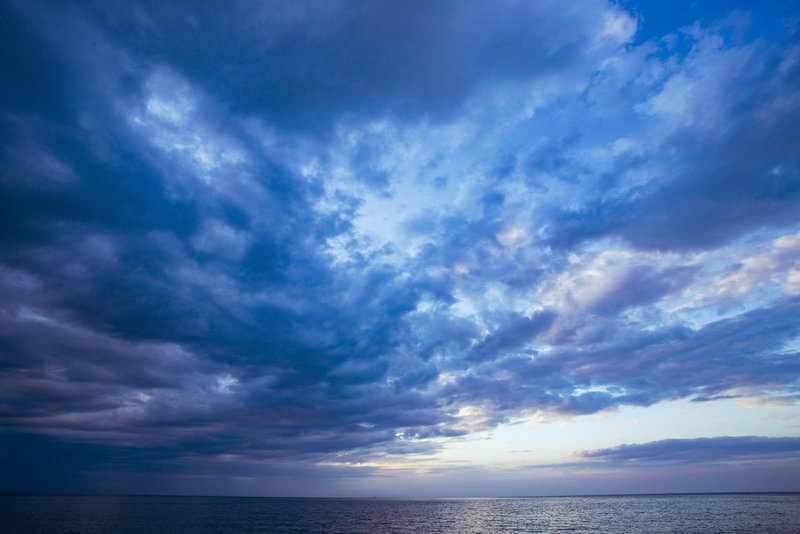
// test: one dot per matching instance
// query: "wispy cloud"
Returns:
(699, 450)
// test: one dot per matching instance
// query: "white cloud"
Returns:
(619, 25)
(225, 383)
(779, 264)
(171, 119)
(592, 277)
(694, 92)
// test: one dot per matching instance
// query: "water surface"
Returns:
(728, 513)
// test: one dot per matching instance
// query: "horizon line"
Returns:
(407, 498)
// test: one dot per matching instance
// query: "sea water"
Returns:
(706, 513)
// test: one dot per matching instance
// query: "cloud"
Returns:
(515, 332)
(748, 355)
(698, 450)
(722, 161)
(304, 234)
(593, 289)
(172, 287)
(780, 264)
(302, 66)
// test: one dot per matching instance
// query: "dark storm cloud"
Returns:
(30, 460)
(302, 65)
(144, 304)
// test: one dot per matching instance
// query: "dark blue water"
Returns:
(751, 513)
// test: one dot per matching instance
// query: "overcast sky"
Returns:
(399, 248)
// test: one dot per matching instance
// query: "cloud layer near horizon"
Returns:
(301, 234)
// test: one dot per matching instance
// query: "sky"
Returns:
(399, 248)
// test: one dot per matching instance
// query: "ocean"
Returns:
(707, 513)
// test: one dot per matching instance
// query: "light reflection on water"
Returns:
(763, 513)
